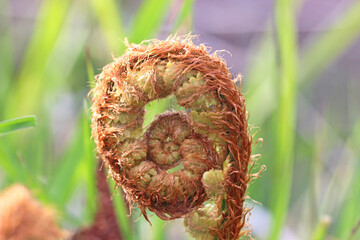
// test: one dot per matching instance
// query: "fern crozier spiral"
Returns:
(191, 164)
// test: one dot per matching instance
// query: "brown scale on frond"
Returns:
(170, 167)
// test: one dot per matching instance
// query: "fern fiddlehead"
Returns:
(191, 164)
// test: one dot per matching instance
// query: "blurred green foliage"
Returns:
(54, 67)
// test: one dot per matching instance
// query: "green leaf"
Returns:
(62, 180)
(260, 81)
(157, 232)
(109, 17)
(17, 124)
(185, 13)
(322, 51)
(148, 19)
(286, 114)
(89, 163)
(29, 88)
(321, 228)
(120, 210)
(6, 66)
(349, 215)
(90, 69)
(10, 164)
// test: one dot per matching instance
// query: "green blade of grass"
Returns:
(109, 17)
(260, 81)
(10, 164)
(88, 167)
(185, 12)
(28, 90)
(317, 167)
(60, 70)
(148, 19)
(62, 180)
(320, 51)
(90, 161)
(323, 50)
(157, 228)
(78, 166)
(154, 231)
(286, 114)
(8, 161)
(89, 69)
(15, 124)
(57, 67)
(349, 215)
(120, 211)
(321, 228)
(6, 67)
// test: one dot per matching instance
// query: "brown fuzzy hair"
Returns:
(22, 217)
(211, 134)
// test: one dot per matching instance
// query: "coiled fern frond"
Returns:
(192, 164)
